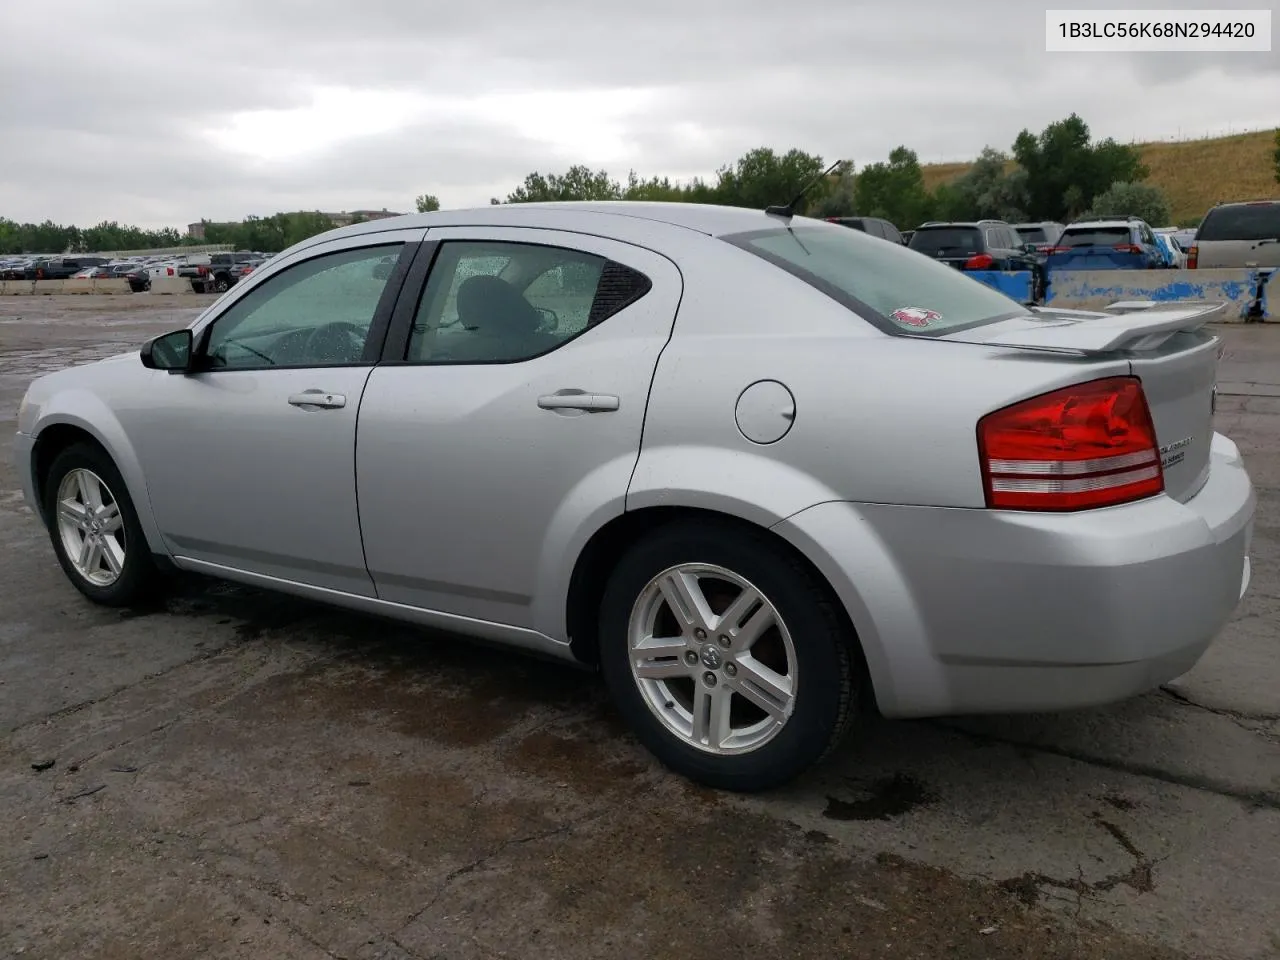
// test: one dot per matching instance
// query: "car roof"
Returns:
(710, 219)
(1102, 223)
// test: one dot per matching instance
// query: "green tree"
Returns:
(894, 190)
(840, 199)
(576, 183)
(426, 203)
(1061, 158)
(762, 178)
(989, 189)
(666, 190)
(1131, 199)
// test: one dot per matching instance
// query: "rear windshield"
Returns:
(1247, 222)
(890, 286)
(957, 241)
(1032, 234)
(1095, 237)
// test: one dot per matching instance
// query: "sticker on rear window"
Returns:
(915, 316)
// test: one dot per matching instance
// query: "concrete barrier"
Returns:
(1094, 289)
(1269, 295)
(171, 285)
(77, 285)
(1016, 284)
(16, 288)
(47, 287)
(111, 286)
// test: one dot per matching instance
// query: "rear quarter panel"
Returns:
(878, 418)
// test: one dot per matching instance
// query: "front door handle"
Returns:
(579, 400)
(318, 398)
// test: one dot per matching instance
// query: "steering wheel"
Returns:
(338, 342)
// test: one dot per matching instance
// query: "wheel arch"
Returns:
(58, 430)
(607, 545)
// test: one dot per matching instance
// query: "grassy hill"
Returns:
(1194, 174)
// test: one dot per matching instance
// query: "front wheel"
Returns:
(94, 527)
(726, 657)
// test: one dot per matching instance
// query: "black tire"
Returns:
(221, 285)
(829, 667)
(139, 576)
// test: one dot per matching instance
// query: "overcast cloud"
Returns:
(165, 113)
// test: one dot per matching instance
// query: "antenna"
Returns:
(789, 211)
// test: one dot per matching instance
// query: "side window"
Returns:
(498, 302)
(891, 233)
(993, 238)
(314, 314)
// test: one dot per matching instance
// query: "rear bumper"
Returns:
(964, 611)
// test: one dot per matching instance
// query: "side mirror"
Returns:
(169, 351)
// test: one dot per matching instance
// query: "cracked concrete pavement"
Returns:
(236, 774)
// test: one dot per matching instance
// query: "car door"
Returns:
(250, 460)
(508, 419)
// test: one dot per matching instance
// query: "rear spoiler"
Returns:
(1125, 325)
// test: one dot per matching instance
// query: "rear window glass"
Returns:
(1095, 237)
(889, 285)
(1032, 234)
(1248, 222)
(948, 241)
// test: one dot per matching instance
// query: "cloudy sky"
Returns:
(162, 113)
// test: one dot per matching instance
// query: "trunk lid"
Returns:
(1165, 347)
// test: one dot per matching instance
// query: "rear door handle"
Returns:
(318, 398)
(578, 400)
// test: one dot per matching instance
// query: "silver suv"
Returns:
(1245, 234)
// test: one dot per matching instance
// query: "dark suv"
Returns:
(980, 245)
(870, 225)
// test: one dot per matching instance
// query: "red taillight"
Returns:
(1192, 256)
(1127, 248)
(168, 271)
(1057, 249)
(982, 261)
(1086, 446)
(203, 271)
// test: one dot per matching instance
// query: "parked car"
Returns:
(1245, 234)
(60, 268)
(1112, 244)
(848, 478)
(873, 226)
(980, 245)
(225, 268)
(906, 236)
(1170, 252)
(1042, 235)
(139, 279)
(91, 273)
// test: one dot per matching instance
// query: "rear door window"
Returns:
(947, 241)
(1245, 222)
(1032, 235)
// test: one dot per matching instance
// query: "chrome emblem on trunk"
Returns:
(1172, 454)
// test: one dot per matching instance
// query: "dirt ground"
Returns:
(237, 774)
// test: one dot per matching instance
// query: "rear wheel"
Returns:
(726, 657)
(94, 527)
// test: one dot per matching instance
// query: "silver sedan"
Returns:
(763, 472)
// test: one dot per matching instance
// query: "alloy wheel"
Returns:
(712, 658)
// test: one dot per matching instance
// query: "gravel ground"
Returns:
(237, 774)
